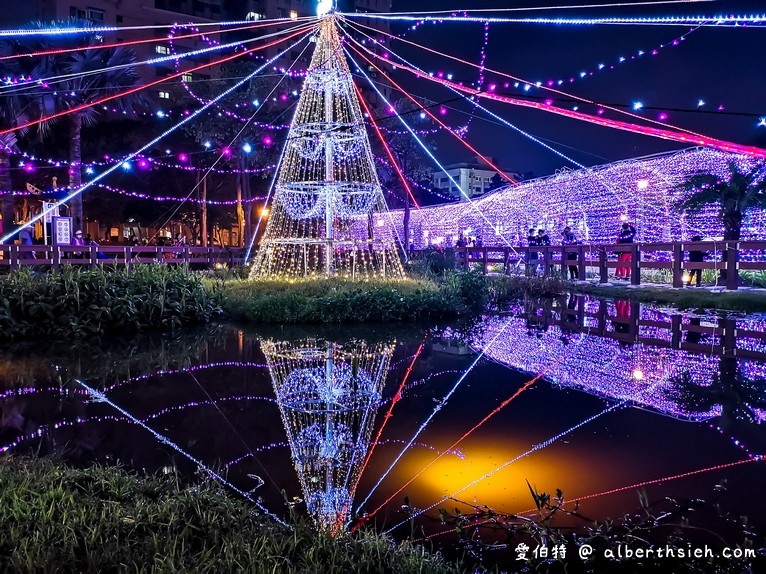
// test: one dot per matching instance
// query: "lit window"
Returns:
(293, 14)
(164, 95)
(160, 49)
(252, 17)
(97, 15)
(186, 77)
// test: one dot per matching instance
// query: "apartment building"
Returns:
(475, 178)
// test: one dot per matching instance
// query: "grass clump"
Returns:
(73, 302)
(340, 300)
(55, 519)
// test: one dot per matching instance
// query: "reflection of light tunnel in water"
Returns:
(644, 374)
(328, 395)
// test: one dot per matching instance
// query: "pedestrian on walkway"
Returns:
(696, 256)
(542, 240)
(626, 236)
(569, 238)
(532, 256)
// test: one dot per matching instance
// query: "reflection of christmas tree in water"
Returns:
(328, 191)
(328, 396)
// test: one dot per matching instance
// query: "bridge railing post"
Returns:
(732, 260)
(678, 258)
(603, 270)
(635, 264)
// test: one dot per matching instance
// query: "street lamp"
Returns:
(247, 148)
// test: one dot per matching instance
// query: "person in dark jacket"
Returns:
(532, 256)
(569, 238)
(627, 235)
(696, 256)
(542, 240)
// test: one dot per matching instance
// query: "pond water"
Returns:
(590, 396)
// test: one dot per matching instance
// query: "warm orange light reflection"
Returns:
(506, 490)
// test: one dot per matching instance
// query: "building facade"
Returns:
(475, 178)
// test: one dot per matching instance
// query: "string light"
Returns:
(102, 398)
(133, 90)
(327, 184)
(594, 202)
(154, 141)
(328, 396)
(715, 21)
(433, 413)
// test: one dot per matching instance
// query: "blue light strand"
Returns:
(420, 142)
(535, 448)
(437, 408)
(709, 21)
(476, 104)
(158, 60)
(132, 155)
(274, 176)
(99, 29)
(102, 398)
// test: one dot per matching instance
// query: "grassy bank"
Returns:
(74, 302)
(681, 298)
(55, 519)
(345, 301)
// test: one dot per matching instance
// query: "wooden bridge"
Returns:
(717, 336)
(600, 260)
(53, 256)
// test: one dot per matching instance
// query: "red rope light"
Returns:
(396, 399)
(437, 120)
(522, 80)
(385, 146)
(53, 52)
(623, 488)
(494, 411)
(150, 84)
(687, 138)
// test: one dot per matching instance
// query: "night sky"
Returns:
(718, 65)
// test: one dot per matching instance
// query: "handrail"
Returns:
(627, 260)
(53, 256)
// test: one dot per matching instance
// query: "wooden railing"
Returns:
(600, 260)
(53, 256)
(719, 336)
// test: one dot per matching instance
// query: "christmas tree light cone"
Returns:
(328, 395)
(328, 195)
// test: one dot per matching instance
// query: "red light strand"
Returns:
(53, 52)
(692, 139)
(494, 411)
(433, 117)
(385, 146)
(522, 80)
(150, 84)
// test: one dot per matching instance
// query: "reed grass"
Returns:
(103, 519)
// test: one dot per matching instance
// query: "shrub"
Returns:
(434, 262)
(339, 301)
(74, 302)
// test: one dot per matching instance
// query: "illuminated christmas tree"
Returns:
(328, 396)
(327, 195)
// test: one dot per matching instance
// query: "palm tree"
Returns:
(13, 112)
(733, 196)
(95, 74)
(740, 398)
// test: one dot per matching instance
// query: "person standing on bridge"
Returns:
(532, 256)
(543, 240)
(569, 238)
(696, 256)
(626, 236)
